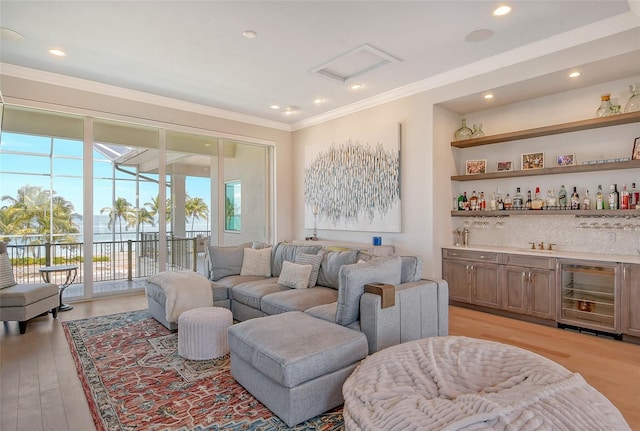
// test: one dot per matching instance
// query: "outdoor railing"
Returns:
(112, 260)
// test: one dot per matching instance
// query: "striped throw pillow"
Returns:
(6, 273)
(310, 259)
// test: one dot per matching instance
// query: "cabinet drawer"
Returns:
(542, 262)
(479, 256)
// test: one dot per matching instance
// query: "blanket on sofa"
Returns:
(184, 290)
(459, 383)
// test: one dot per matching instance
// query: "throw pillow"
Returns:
(295, 275)
(256, 262)
(310, 259)
(6, 273)
(289, 252)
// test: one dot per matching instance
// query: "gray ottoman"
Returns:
(202, 333)
(293, 363)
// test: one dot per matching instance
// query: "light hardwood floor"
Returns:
(39, 388)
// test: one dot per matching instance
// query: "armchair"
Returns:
(22, 302)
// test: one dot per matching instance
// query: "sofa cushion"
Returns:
(310, 259)
(252, 292)
(225, 261)
(297, 299)
(295, 275)
(411, 269)
(279, 347)
(332, 261)
(256, 262)
(21, 295)
(354, 277)
(289, 252)
(6, 272)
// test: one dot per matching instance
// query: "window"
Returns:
(232, 206)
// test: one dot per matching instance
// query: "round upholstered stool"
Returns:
(202, 333)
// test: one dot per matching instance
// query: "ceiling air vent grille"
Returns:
(354, 63)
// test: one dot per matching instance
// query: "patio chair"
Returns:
(22, 302)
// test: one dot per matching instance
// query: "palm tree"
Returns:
(140, 217)
(195, 208)
(154, 208)
(121, 210)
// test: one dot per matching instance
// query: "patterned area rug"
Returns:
(134, 379)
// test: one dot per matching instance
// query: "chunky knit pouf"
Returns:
(202, 332)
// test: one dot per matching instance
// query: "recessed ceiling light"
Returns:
(291, 109)
(488, 96)
(479, 35)
(250, 34)
(274, 106)
(319, 100)
(57, 52)
(356, 86)
(574, 74)
(502, 10)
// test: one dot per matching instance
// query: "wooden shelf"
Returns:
(574, 126)
(630, 164)
(575, 213)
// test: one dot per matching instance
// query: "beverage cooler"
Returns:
(589, 295)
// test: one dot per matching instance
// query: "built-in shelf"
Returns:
(630, 164)
(574, 126)
(575, 213)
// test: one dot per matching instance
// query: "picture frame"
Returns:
(635, 155)
(474, 167)
(531, 161)
(504, 165)
(566, 160)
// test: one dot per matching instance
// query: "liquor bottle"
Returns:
(460, 203)
(599, 198)
(575, 199)
(613, 197)
(473, 201)
(508, 203)
(624, 198)
(552, 201)
(493, 203)
(527, 203)
(562, 198)
(499, 200)
(482, 203)
(518, 202)
(537, 203)
(586, 202)
(465, 202)
(634, 197)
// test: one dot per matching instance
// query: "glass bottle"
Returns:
(482, 203)
(575, 199)
(613, 197)
(518, 200)
(477, 131)
(508, 203)
(460, 202)
(493, 203)
(465, 202)
(624, 198)
(552, 202)
(499, 200)
(586, 202)
(473, 202)
(527, 203)
(633, 104)
(463, 132)
(634, 198)
(599, 198)
(605, 106)
(537, 203)
(562, 198)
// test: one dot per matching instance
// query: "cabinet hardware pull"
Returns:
(455, 254)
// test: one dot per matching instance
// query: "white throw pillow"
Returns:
(256, 262)
(6, 273)
(295, 275)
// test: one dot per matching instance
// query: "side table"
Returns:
(71, 272)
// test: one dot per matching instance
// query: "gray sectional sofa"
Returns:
(306, 320)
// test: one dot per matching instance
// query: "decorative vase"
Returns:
(633, 104)
(477, 131)
(463, 132)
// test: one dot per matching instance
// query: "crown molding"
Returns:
(588, 33)
(135, 95)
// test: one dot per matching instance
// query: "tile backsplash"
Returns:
(605, 235)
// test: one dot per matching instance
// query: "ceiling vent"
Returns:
(354, 63)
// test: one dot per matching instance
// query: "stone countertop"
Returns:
(554, 253)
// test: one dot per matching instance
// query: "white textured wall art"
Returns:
(354, 184)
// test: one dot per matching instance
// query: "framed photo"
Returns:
(636, 149)
(506, 165)
(567, 160)
(532, 161)
(476, 167)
